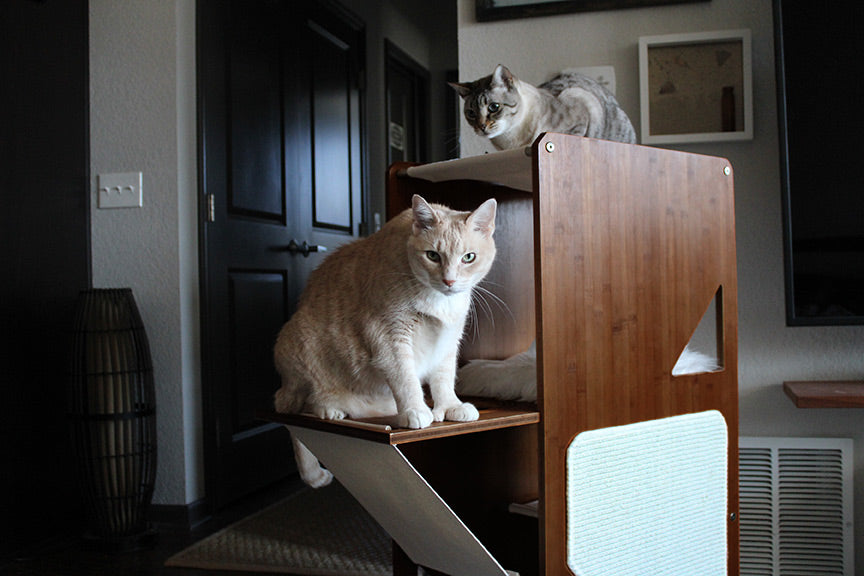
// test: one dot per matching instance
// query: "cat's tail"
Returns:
(289, 400)
(310, 469)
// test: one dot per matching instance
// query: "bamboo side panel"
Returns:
(631, 246)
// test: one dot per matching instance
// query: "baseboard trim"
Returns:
(183, 515)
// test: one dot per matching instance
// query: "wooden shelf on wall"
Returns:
(826, 394)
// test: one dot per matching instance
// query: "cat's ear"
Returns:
(483, 218)
(425, 217)
(503, 76)
(462, 89)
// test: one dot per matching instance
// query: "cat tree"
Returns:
(609, 255)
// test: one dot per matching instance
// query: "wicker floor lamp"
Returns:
(113, 411)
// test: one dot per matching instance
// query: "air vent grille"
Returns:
(796, 507)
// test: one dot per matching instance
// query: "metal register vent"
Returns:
(796, 506)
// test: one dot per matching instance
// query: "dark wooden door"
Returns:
(407, 87)
(282, 167)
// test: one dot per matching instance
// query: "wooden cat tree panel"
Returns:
(610, 261)
(609, 255)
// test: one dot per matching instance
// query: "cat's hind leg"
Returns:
(309, 467)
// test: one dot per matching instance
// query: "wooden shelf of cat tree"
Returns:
(826, 394)
(384, 430)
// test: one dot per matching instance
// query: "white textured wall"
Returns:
(769, 351)
(142, 118)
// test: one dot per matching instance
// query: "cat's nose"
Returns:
(449, 283)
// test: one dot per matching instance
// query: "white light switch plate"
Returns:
(120, 190)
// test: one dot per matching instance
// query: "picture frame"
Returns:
(696, 87)
(492, 10)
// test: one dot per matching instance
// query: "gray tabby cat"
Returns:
(513, 113)
(382, 316)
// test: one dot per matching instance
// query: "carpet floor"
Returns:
(314, 532)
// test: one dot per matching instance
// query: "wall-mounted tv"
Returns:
(821, 114)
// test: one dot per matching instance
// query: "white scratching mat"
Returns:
(649, 498)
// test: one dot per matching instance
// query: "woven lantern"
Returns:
(112, 405)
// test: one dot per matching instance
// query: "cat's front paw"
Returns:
(416, 418)
(458, 412)
(330, 413)
(464, 412)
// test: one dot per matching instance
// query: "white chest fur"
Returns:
(437, 335)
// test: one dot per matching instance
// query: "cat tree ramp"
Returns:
(609, 256)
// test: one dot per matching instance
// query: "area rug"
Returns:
(314, 532)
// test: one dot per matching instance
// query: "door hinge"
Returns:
(211, 208)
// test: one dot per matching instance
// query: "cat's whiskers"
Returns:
(483, 298)
(483, 292)
(472, 321)
(478, 300)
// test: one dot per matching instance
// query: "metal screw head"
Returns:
(727, 170)
(733, 516)
(550, 147)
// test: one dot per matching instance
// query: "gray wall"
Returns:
(769, 351)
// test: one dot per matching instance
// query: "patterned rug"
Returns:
(316, 532)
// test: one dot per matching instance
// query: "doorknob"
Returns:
(304, 248)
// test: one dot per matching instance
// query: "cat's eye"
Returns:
(433, 256)
(493, 107)
(469, 258)
(470, 114)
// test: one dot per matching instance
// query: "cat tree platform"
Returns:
(384, 430)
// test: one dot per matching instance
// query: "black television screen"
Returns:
(819, 46)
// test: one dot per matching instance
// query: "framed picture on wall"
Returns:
(488, 10)
(696, 87)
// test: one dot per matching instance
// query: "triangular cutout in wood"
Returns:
(704, 352)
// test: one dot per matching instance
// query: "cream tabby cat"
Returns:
(381, 317)
(513, 113)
